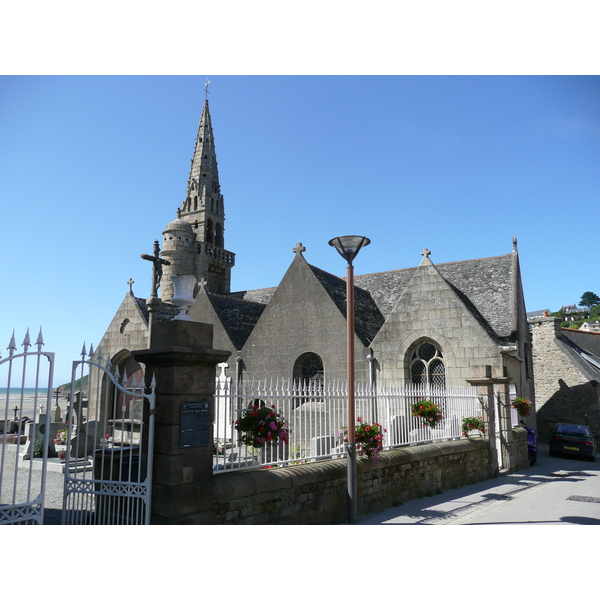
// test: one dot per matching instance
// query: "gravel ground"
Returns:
(29, 475)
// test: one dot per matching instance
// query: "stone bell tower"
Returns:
(194, 242)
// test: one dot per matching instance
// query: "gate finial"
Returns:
(40, 340)
(26, 342)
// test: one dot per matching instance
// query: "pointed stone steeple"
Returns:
(203, 206)
(194, 242)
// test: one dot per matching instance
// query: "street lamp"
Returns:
(349, 246)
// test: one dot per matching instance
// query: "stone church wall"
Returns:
(315, 493)
(431, 310)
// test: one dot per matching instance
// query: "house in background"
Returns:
(566, 366)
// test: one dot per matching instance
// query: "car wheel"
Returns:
(552, 453)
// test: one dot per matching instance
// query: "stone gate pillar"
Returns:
(184, 362)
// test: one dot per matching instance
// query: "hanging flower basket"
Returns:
(470, 424)
(430, 412)
(262, 426)
(369, 438)
(522, 406)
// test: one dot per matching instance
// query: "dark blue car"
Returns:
(573, 440)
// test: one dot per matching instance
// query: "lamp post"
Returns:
(349, 246)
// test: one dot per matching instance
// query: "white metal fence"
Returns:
(315, 414)
(26, 435)
(108, 467)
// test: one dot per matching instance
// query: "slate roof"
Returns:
(237, 315)
(367, 316)
(483, 284)
(262, 296)
(165, 313)
(584, 348)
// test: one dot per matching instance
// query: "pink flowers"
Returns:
(262, 425)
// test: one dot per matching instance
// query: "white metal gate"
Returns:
(26, 436)
(108, 468)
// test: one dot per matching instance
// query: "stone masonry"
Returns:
(564, 391)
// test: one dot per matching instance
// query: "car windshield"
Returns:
(579, 430)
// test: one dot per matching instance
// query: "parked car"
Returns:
(567, 438)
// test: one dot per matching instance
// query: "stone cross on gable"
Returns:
(157, 265)
(130, 284)
(425, 253)
(299, 248)
(202, 282)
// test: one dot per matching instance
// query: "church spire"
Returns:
(194, 243)
(203, 206)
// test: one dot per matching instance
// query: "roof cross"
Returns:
(299, 248)
(130, 284)
(425, 253)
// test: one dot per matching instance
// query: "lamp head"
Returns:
(349, 245)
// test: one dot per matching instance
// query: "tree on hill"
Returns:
(589, 299)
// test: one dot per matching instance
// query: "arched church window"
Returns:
(308, 370)
(219, 235)
(427, 365)
(209, 232)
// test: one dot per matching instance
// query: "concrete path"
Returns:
(558, 491)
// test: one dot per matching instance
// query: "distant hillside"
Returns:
(80, 384)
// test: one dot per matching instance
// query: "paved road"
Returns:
(555, 491)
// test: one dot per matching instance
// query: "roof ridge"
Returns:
(580, 330)
(453, 262)
(234, 298)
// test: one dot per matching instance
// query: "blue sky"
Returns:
(93, 167)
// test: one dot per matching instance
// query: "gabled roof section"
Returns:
(483, 284)
(367, 316)
(584, 348)
(237, 316)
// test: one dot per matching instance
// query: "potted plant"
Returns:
(262, 426)
(369, 438)
(470, 424)
(429, 411)
(60, 442)
(522, 406)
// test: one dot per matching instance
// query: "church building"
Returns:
(429, 323)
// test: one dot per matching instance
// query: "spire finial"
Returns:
(206, 87)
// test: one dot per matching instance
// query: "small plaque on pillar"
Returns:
(195, 425)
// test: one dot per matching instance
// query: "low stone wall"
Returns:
(316, 493)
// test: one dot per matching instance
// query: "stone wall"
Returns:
(316, 493)
(563, 392)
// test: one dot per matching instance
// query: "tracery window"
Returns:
(427, 365)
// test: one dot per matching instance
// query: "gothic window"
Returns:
(427, 365)
(219, 235)
(209, 231)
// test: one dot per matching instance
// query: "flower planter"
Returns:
(61, 450)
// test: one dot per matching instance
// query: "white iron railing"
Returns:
(315, 414)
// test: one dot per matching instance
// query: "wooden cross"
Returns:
(157, 265)
(299, 249)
